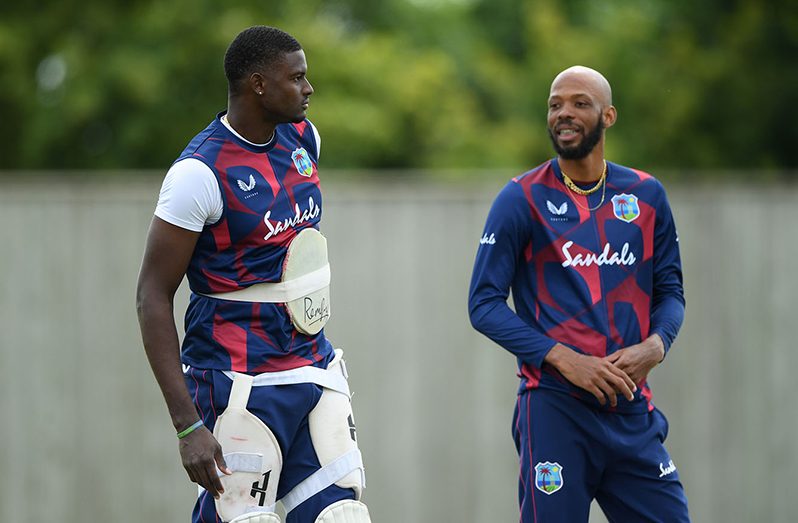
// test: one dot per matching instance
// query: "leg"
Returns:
(323, 479)
(560, 467)
(642, 484)
(301, 461)
(279, 409)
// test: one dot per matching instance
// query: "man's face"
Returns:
(287, 91)
(574, 119)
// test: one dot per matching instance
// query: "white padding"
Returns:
(332, 432)
(304, 287)
(307, 254)
(281, 292)
(257, 517)
(253, 454)
(346, 511)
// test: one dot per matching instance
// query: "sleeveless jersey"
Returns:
(270, 193)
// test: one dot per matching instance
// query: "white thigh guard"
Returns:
(332, 432)
(253, 454)
(346, 511)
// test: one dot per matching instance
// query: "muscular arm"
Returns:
(167, 254)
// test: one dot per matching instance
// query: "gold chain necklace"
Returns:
(586, 192)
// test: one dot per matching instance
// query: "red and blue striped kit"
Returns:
(596, 273)
(270, 193)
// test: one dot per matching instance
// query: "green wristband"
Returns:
(182, 434)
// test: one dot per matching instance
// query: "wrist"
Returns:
(188, 430)
(656, 346)
(558, 356)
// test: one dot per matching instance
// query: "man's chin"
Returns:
(571, 153)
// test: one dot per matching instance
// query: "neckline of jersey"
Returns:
(255, 147)
(558, 173)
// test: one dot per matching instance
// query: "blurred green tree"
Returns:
(405, 83)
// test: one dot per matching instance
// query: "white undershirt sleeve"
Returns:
(190, 197)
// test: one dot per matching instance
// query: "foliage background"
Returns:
(420, 84)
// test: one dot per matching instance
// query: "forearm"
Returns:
(667, 316)
(162, 347)
(499, 323)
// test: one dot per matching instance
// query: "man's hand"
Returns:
(638, 360)
(598, 376)
(201, 454)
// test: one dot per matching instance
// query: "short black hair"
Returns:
(255, 49)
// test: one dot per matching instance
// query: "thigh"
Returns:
(641, 483)
(560, 465)
(300, 462)
(282, 408)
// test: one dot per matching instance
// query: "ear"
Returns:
(609, 115)
(257, 83)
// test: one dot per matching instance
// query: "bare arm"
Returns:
(167, 254)
(596, 375)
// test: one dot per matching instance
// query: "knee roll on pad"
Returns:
(257, 517)
(252, 452)
(346, 511)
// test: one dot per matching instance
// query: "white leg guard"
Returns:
(257, 517)
(332, 432)
(346, 511)
(253, 454)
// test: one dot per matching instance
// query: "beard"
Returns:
(577, 152)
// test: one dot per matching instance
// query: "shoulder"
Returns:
(190, 196)
(189, 171)
(633, 177)
(212, 137)
(543, 173)
(304, 134)
(641, 184)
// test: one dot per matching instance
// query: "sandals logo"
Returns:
(275, 228)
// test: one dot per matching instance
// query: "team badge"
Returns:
(548, 477)
(625, 207)
(302, 162)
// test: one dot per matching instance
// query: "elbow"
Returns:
(148, 301)
(476, 314)
(141, 299)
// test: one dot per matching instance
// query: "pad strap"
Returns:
(323, 478)
(281, 292)
(242, 462)
(334, 377)
(239, 393)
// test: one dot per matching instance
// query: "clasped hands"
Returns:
(617, 374)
